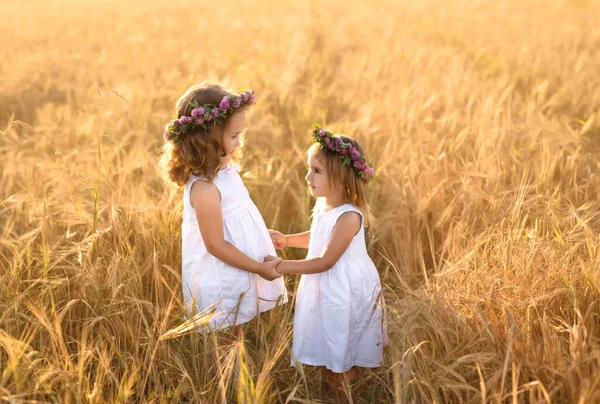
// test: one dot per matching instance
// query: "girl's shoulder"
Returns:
(347, 207)
(194, 178)
(200, 187)
(221, 175)
(335, 213)
(191, 179)
(342, 209)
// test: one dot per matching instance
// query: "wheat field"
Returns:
(482, 118)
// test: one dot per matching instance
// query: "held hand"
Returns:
(279, 239)
(269, 258)
(269, 271)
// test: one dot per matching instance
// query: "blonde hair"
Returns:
(353, 186)
(199, 151)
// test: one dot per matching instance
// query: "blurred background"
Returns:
(482, 119)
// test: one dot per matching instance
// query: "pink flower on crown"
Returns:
(202, 114)
(184, 120)
(196, 112)
(225, 104)
(349, 154)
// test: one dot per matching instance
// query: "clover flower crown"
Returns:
(349, 154)
(202, 114)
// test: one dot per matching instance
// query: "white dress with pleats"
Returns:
(339, 317)
(235, 295)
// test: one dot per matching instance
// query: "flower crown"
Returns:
(202, 114)
(349, 154)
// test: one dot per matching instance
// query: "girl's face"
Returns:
(232, 134)
(317, 178)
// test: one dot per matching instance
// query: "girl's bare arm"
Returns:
(344, 231)
(206, 200)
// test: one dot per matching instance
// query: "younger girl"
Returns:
(224, 237)
(338, 321)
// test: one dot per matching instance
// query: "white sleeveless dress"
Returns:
(207, 281)
(339, 319)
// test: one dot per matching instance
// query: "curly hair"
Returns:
(199, 152)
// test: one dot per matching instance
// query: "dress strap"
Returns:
(188, 190)
(192, 180)
(348, 208)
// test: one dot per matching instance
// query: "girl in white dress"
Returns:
(338, 321)
(224, 237)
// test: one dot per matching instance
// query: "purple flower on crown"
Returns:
(348, 153)
(196, 112)
(225, 104)
(206, 113)
(184, 120)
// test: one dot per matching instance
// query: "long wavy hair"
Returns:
(199, 151)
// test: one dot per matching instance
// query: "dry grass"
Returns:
(483, 118)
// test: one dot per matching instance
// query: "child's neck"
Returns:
(333, 201)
